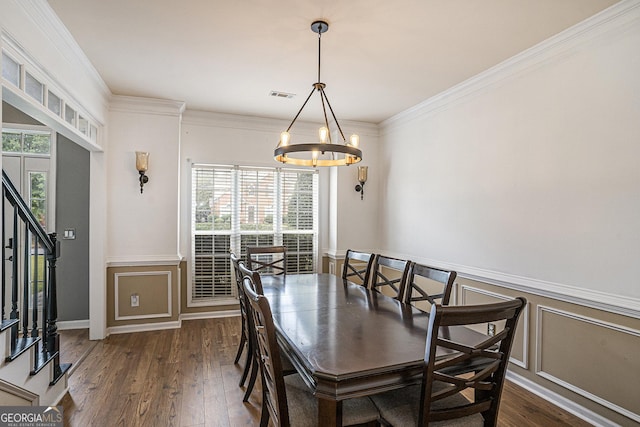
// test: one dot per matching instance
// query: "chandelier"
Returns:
(324, 152)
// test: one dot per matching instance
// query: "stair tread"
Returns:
(42, 360)
(7, 323)
(61, 372)
(22, 345)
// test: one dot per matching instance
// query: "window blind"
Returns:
(237, 206)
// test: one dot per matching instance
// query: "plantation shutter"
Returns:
(211, 225)
(233, 207)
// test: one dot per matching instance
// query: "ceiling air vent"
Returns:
(277, 94)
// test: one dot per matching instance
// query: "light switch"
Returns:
(135, 300)
(69, 234)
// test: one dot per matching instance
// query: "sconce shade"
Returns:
(362, 178)
(362, 174)
(142, 164)
(142, 161)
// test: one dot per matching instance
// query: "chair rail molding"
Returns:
(617, 304)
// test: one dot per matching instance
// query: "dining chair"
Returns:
(267, 259)
(425, 283)
(287, 401)
(245, 332)
(438, 397)
(390, 275)
(357, 267)
(287, 366)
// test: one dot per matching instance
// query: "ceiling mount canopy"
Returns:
(324, 152)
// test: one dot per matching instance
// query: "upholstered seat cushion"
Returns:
(401, 407)
(303, 406)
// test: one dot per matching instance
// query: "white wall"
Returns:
(143, 227)
(230, 139)
(531, 172)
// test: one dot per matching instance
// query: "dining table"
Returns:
(346, 340)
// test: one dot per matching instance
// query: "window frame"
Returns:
(237, 234)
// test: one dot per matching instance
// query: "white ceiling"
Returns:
(379, 57)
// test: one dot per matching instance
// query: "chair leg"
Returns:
(248, 362)
(264, 415)
(243, 340)
(252, 380)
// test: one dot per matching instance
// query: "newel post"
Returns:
(52, 339)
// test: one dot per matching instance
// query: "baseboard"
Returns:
(210, 314)
(59, 398)
(65, 325)
(560, 401)
(145, 327)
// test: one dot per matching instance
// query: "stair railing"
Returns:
(25, 331)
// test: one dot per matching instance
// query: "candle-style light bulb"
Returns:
(285, 137)
(355, 140)
(323, 132)
(314, 158)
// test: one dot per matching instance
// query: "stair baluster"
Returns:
(36, 241)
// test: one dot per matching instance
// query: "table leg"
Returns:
(329, 412)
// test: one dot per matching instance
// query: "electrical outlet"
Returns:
(491, 329)
(135, 300)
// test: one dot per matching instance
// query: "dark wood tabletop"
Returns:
(348, 341)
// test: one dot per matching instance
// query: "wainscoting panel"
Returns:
(520, 351)
(156, 287)
(596, 359)
(152, 287)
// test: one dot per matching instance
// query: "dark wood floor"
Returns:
(186, 377)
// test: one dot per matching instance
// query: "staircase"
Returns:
(30, 368)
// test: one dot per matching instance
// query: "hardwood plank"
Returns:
(186, 377)
(192, 410)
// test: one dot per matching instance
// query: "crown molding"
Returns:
(43, 16)
(266, 124)
(134, 104)
(621, 15)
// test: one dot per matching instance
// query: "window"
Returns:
(10, 70)
(26, 141)
(233, 207)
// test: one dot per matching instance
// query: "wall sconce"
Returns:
(362, 178)
(142, 164)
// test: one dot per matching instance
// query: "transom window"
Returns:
(237, 206)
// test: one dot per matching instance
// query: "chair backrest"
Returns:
(480, 367)
(357, 267)
(273, 387)
(267, 259)
(390, 274)
(417, 290)
(255, 278)
(235, 261)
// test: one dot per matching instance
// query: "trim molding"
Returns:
(255, 123)
(617, 16)
(560, 401)
(46, 19)
(66, 325)
(150, 261)
(210, 315)
(617, 304)
(20, 392)
(144, 327)
(134, 104)
(571, 387)
(524, 321)
(142, 316)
